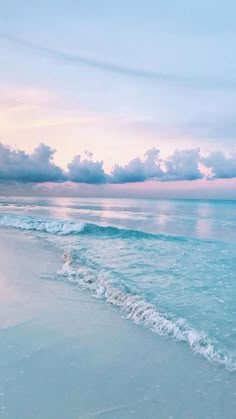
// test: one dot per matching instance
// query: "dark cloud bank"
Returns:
(39, 167)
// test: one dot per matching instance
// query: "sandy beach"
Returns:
(65, 354)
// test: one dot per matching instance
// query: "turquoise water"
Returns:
(168, 266)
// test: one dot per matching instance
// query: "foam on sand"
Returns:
(142, 312)
(67, 358)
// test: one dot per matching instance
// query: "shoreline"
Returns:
(65, 354)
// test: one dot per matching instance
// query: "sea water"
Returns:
(167, 265)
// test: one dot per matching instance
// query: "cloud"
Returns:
(91, 62)
(16, 165)
(78, 59)
(222, 167)
(86, 171)
(137, 170)
(183, 165)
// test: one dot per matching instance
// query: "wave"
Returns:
(144, 313)
(65, 227)
(38, 224)
(99, 283)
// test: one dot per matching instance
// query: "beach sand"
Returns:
(66, 355)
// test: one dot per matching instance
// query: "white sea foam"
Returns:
(37, 224)
(100, 284)
(65, 227)
(144, 313)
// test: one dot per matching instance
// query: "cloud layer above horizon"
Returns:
(186, 164)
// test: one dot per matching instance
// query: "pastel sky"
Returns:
(118, 79)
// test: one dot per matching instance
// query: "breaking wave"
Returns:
(37, 224)
(144, 313)
(100, 284)
(65, 227)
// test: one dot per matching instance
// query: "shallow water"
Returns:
(65, 354)
(168, 265)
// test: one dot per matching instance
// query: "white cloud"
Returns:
(221, 166)
(182, 165)
(17, 165)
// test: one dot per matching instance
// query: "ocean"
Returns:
(168, 266)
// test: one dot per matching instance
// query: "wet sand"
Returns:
(67, 355)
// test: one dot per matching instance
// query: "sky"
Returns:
(118, 98)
